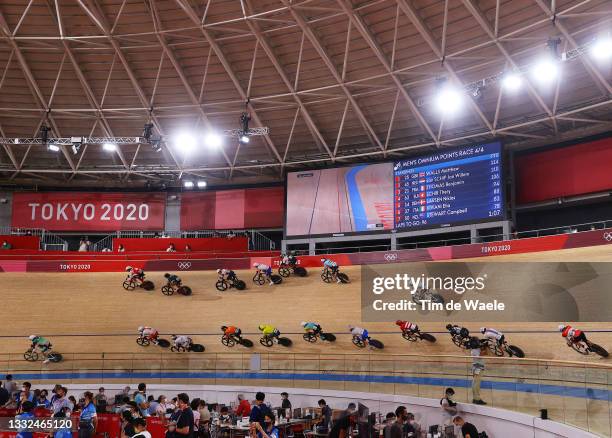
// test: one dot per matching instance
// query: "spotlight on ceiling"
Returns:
(602, 49)
(546, 70)
(202, 184)
(53, 148)
(512, 81)
(244, 139)
(448, 99)
(109, 147)
(185, 142)
(76, 144)
(188, 184)
(213, 140)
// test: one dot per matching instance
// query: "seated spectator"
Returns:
(72, 403)
(140, 426)
(231, 235)
(163, 406)
(171, 248)
(82, 245)
(6, 245)
(468, 430)
(152, 411)
(42, 400)
(187, 248)
(121, 248)
(99, 396)
(106, 250)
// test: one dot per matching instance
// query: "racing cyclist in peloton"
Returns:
(173, 280)
(270, 332)
(149, 333)
(490, 333)
(135, 274)
(332, 266)
(572, 334)
(232, 332)
(288, 259)
(42, 345)
(456, 330)
(311, 327)
(182, 341)
(226, 274)
(265, 270)
(407, 326)
(360, 333)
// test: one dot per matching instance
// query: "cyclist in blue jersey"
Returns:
(332, 266)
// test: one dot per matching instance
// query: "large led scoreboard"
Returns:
(457, 186)
(450, 187)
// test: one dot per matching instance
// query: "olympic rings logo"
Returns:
(607, 236)
(390, 256)
(184, 265)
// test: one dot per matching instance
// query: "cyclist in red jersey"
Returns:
(407, 326)
(572, 334)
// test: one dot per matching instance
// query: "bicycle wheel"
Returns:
(179, 349)
(358, 342)
(377, 344)
(310, 337)
(240, 285)
(143, 341)
(129, 285)
(221, 285)
(326, 276)
(259, 279)
(276, 279)
(30, 356)
(284, 271)
(457, 340)
(580, 347)
(409, 336)
(184, 290)
(167, 290)
(513, 350)
(342, 277)
(228, 341)
(266, 342)
(428, 337)
(597, 349)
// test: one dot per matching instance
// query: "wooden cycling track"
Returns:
(91, 313)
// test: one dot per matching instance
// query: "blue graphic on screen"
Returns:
(459, 185)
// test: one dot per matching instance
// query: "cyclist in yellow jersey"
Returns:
(269, 331)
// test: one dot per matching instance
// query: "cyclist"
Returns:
(289, 260)
(270, 332)
(232, 332)
(135, 274)
(407, 326)
(42, 345)
(182, 341)
(311, 327)
(572, 334)
(226, 274)
(456, 330)
(265, 270)
(149, 333)
(360, 333)
(332, 266)
(173, 280)
(490, 333)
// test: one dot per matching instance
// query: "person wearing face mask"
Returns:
(412, 422)
(402, 421)
(449, 407)
(268, 430)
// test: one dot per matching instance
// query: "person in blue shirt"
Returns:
(42, 400)
(25, 414)
(88, 419)
(65, 432)
(268, 430)
(141, 400)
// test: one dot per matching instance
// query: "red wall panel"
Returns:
(264, 208)
(233, 209)
(21, 242)
(567, 171)
(88, 211)
(218, 244)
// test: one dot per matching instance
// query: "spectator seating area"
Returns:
(212, 244)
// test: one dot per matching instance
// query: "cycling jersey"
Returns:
(312, 326)
(360, 332)
(137, 273)
(268, 330)
(264, 268)
(493, 334)
(571, 333)
(149, 332)
(231, 330)
(182, 341)
(41, 342)
(407, 326)
(330, 263)
(174, 279)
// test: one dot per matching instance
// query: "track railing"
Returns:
(575, 393)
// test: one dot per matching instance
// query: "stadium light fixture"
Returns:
(109, 147)
(53, 148)
(546, 70)
(448, 100)
(188, 184)
(213, 140)
(512, 81)
(202, 184)
(185, 142)
(244, 139)
(602, 49)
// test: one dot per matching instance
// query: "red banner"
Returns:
(80, 211)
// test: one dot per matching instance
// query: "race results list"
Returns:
(459, 185)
